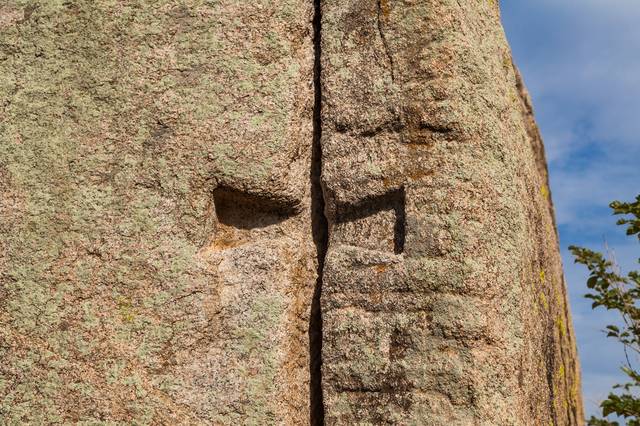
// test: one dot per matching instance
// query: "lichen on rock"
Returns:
(202, 201)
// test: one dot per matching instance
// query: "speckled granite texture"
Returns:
(443, 300)
(202, 200)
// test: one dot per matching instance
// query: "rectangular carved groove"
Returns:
(368, 214)
(244, 210)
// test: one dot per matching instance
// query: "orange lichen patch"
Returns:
(413, 174)
(226, 238)
(393, 180)
(376, 297)
(419, 174)
(224, 244)
(418, 142)
(381, 268)
(384, 7)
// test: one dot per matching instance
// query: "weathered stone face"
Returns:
(466, 321)
(163, 217)
(157, 259)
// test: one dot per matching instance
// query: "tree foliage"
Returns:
(612, 290)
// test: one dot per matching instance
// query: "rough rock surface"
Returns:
(157, 259)
(163, 217)
(443, 300)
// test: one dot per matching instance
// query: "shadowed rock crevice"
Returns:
(320, 233)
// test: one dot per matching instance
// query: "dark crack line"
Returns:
(320, 232)
(384, 39)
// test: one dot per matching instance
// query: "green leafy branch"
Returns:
(613, 291)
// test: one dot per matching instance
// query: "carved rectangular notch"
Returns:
(246, 210)
(375, 223)
(244, 216)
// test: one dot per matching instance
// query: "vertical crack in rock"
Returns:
(320, 232)
(383, 10)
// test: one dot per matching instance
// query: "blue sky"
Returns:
(581, 62)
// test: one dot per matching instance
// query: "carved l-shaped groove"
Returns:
(320, 231)
(393, 200)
